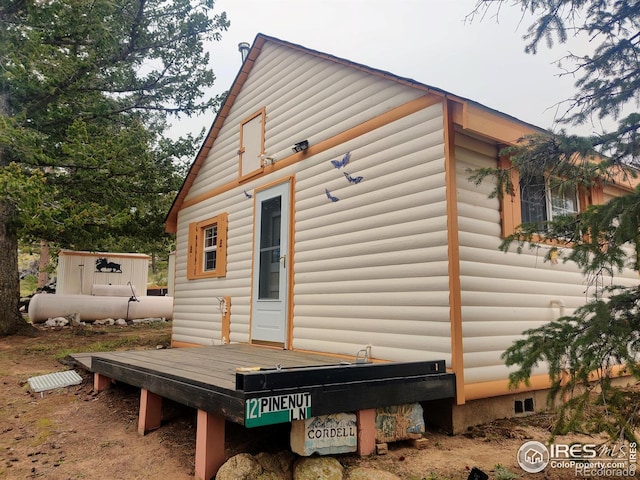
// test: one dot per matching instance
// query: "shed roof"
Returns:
(254, 52)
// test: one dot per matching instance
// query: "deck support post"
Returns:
(150, 415)
(100, 382)
(209, 445)
(366, 425)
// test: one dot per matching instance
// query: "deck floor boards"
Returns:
(205, 378)
(212, 365)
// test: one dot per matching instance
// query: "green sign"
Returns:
(277, 409)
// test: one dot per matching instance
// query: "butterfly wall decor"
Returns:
(343, 162)
(329, 196)
(351, 179)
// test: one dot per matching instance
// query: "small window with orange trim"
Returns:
(543, 201)
(537, 199)
(207, 250)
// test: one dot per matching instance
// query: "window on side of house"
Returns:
(536, 200)
(207, 250)
(542, 201)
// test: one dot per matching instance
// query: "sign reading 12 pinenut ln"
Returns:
(277, 409)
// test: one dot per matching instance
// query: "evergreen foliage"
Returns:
(585, 351)
(86, 89)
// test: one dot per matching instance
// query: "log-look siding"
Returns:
(305, 98)
(503, 294)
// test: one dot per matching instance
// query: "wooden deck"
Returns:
(256, 386)
(210, 378)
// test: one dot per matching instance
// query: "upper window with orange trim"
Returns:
(538, 200)
(251, 151)
(208, 248)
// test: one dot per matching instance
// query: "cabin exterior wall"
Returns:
(370, 268)
(504, 294)
(372, 264)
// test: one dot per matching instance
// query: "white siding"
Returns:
(197, 315)
(305, 98)
(310, 98)
(503, 294)
(371, 268)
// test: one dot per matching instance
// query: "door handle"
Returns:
(283, 259)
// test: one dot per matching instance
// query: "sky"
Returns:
(426, 40)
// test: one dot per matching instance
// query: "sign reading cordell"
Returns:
(277, 409)
(325, 435)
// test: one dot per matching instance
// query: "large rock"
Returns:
(264, 466)
(240, 467)
(279, 464)
(364, 473)
(318, 468)
(325, 435)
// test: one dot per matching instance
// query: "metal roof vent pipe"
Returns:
(244, 47)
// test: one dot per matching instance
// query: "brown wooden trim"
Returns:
(269, 344)
(476, 391)
(291, 180)
(455, 296)
(511, 206)
(291, 262)
(497, 388)
(176, 344)
(225, 328)
(490, 124)
(195, 248)
(510, 201)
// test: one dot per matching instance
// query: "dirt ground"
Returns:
(73, 433)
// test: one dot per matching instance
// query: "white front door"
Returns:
(270, 265)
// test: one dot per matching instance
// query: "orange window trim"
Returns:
(195, 258)
(511, 207)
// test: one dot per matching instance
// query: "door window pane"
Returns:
(269, 279)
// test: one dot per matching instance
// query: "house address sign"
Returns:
(277, 409)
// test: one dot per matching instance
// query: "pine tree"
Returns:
(86, 90)
(604, 334)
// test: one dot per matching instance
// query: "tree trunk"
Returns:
(11, 322)
(43, 264)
